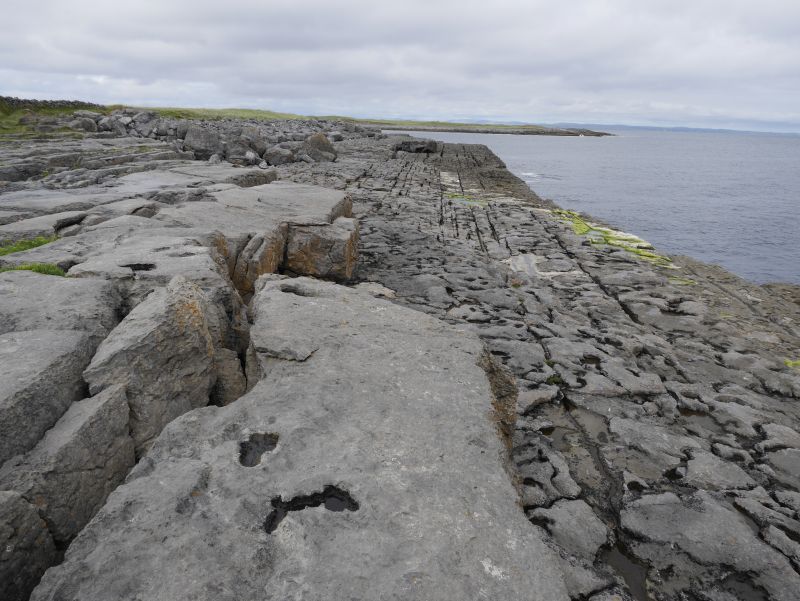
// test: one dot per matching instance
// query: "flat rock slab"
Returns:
(40, 379)
(30, 301)
(46, 225)
(78, 462)
(372, 468)
(225, 173)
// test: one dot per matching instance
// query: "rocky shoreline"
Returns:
(489, 397)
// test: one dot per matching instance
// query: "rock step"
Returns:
(178, 344)
(367, 460)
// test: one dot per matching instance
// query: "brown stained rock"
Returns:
(164, 352)
(324, 251)
(319, 148)
(262, 254)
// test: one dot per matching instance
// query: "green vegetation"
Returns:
(263, 115)
(605, 235)
(14, 120)
(215, 114)
(682, 281)
(795, 363)
(554, 380)
(45, 268)
(10, 118)
(21, 245)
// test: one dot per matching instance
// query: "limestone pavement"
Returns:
(505, 400)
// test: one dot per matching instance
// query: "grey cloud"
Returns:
(707, 62)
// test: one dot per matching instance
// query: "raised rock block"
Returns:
(40, 379)
(69, 474)
(324, 251)
(26, 547)
(203, 141)
(163, 352)
(319, 148)
(343, 475)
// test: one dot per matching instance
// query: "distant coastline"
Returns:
(11, 109)
(484, 128)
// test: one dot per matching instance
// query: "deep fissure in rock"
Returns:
(332, 497)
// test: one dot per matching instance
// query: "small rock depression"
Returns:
(332, 497)
(252, 449)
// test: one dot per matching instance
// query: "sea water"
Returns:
(728, 198)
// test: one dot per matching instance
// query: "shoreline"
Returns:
(690, 244)
(478, 356)
(466, 128)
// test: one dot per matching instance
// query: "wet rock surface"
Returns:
(653, 427)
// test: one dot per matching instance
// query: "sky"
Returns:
(697, 63)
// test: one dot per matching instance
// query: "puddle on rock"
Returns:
(251, 450)
(332, 497)
(630, 570)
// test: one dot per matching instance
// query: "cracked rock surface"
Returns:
(356, 441)
(371, 506)
(656, 402)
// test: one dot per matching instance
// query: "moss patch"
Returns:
(605, 235)
(795, 363)
(45, 268)
(21, 245)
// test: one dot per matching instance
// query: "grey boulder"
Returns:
(69, 474)
(163, 351)
(327, 251)
(203, 141)
(26, 547)
(275, 155)
(40, 379)
(83, 124)
(318, 147)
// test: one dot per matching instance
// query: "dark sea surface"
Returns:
(727, 198)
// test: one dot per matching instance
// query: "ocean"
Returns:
(728, 198)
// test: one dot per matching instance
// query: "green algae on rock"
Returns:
(598, 234)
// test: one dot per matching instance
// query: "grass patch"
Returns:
(12, 122)
(44, 268)
(794, 363)
(21, 245)
(216, 114)
(605, 235)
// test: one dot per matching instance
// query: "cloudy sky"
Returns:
(717, 63)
